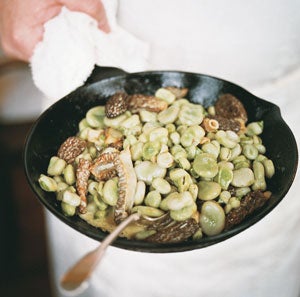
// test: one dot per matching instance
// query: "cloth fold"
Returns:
(73, 44)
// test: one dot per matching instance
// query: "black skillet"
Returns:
(61, 121)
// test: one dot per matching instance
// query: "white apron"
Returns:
(255, 44)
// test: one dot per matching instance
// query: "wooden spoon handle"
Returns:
(82, 270)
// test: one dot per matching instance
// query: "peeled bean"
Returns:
(95, 117)
(211, 148)
(179, 201)
(153, 199)
(205, 165)
(208, 190)
(243, 177)
(235, 152)
(165, 95)
(161, 185)
(181, 102)
(261, 148)
(255, 128)
(269, 168)
(68, 209)
(61, 186)
(184, 163)
(91, 207)
(234, 202)
(99, 202)
(69, 174)
(225, 196)
(224, 177)
(136, 151)
(259, 176)
(212, 218)
(225, 154)
(178, 152)
(147, 171)
(151, 149)
(144, 234)
(130, 122)
(110, 192)
(223, 138)
(193, 189)
(192, 136)
(83, 124)
(159, 134)
(139, 193)
(150, 126)
(175, 137)
(71, 198)
(169, 115)
(183, 213)
(171, 128)
(226, 164)
(244, 164)
(165, 160)
(241, 192)
(250, 151)
(191, 152)
(148, 116)
(56, 166)
(115, 122)
(181, 179)
(47, 183)
(148, 211)
(198, 234)
(93, 187)
(191, 114)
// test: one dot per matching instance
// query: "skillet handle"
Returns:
(100, 73)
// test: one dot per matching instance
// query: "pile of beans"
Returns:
(182, 167)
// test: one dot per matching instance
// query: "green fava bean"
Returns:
(151, 149)
(212, 218)
(95, 117)
(208, 190)
(56, 166)
(224, 177)
(184, 213)
(147, 171)
(242, 177)
(181, 179)
(161, 185)
(153, 199)
(169, 115)
(205, 165)
(148, 211)
(191, 114)
(47, 183)
(68, 209)
(110, 192)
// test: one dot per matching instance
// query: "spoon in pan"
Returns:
(81, 271)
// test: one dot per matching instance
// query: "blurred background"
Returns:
(24, 270)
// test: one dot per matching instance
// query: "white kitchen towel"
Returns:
(72, 45)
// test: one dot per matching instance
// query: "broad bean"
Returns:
(47, 183)
(212, 218)
(183, 213)
(205, 165)
(56, 166)
(208, 190)
(169, 115)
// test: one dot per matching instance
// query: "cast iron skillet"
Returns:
(61, 121)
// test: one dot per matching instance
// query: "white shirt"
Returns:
(255, 44)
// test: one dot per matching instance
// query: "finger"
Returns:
(94, 8)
